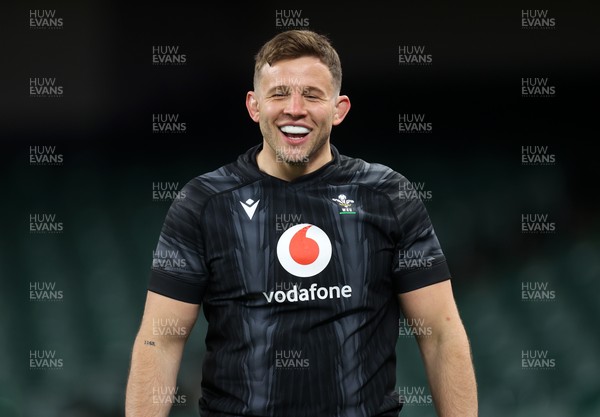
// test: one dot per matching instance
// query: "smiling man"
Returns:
(298, 256)
(296, 102)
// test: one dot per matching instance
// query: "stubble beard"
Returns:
(293, 159)
(290, 155)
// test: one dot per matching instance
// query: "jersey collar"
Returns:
(248, 162)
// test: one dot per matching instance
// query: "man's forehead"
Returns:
(296, 69)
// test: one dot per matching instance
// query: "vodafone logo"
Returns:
(304, 250)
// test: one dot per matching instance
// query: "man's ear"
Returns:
(342, 107)
(252, 106)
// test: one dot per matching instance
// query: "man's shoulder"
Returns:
(226, 178)
(375, 175)
(385, 182)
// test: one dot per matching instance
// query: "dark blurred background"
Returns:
(100, 134)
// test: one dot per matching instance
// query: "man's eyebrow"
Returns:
(317, 90)
(304, 89)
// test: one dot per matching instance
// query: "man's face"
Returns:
(296, 105)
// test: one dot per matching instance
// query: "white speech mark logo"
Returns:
(304, 250)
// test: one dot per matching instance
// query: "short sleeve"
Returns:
(178, 265)
(418, 259)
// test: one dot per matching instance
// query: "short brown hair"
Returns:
(298, 43)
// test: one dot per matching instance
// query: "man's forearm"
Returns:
(451, 376)
(152, 377)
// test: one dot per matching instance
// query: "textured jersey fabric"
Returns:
(298, 282)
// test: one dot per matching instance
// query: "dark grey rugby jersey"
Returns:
(299, 283)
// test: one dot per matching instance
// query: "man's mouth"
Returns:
(295, 132)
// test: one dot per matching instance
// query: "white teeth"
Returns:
(295, 130)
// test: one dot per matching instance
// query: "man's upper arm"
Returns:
(418, 260)
(179, 270)
(167, 319)
(434, 307)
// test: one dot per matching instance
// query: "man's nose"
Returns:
(295, 104)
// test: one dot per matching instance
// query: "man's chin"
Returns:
(293, 160)
(298, 163)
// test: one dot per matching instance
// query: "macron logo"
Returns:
(250, 207)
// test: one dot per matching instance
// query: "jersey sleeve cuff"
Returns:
(171, 286)
(419, 278)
